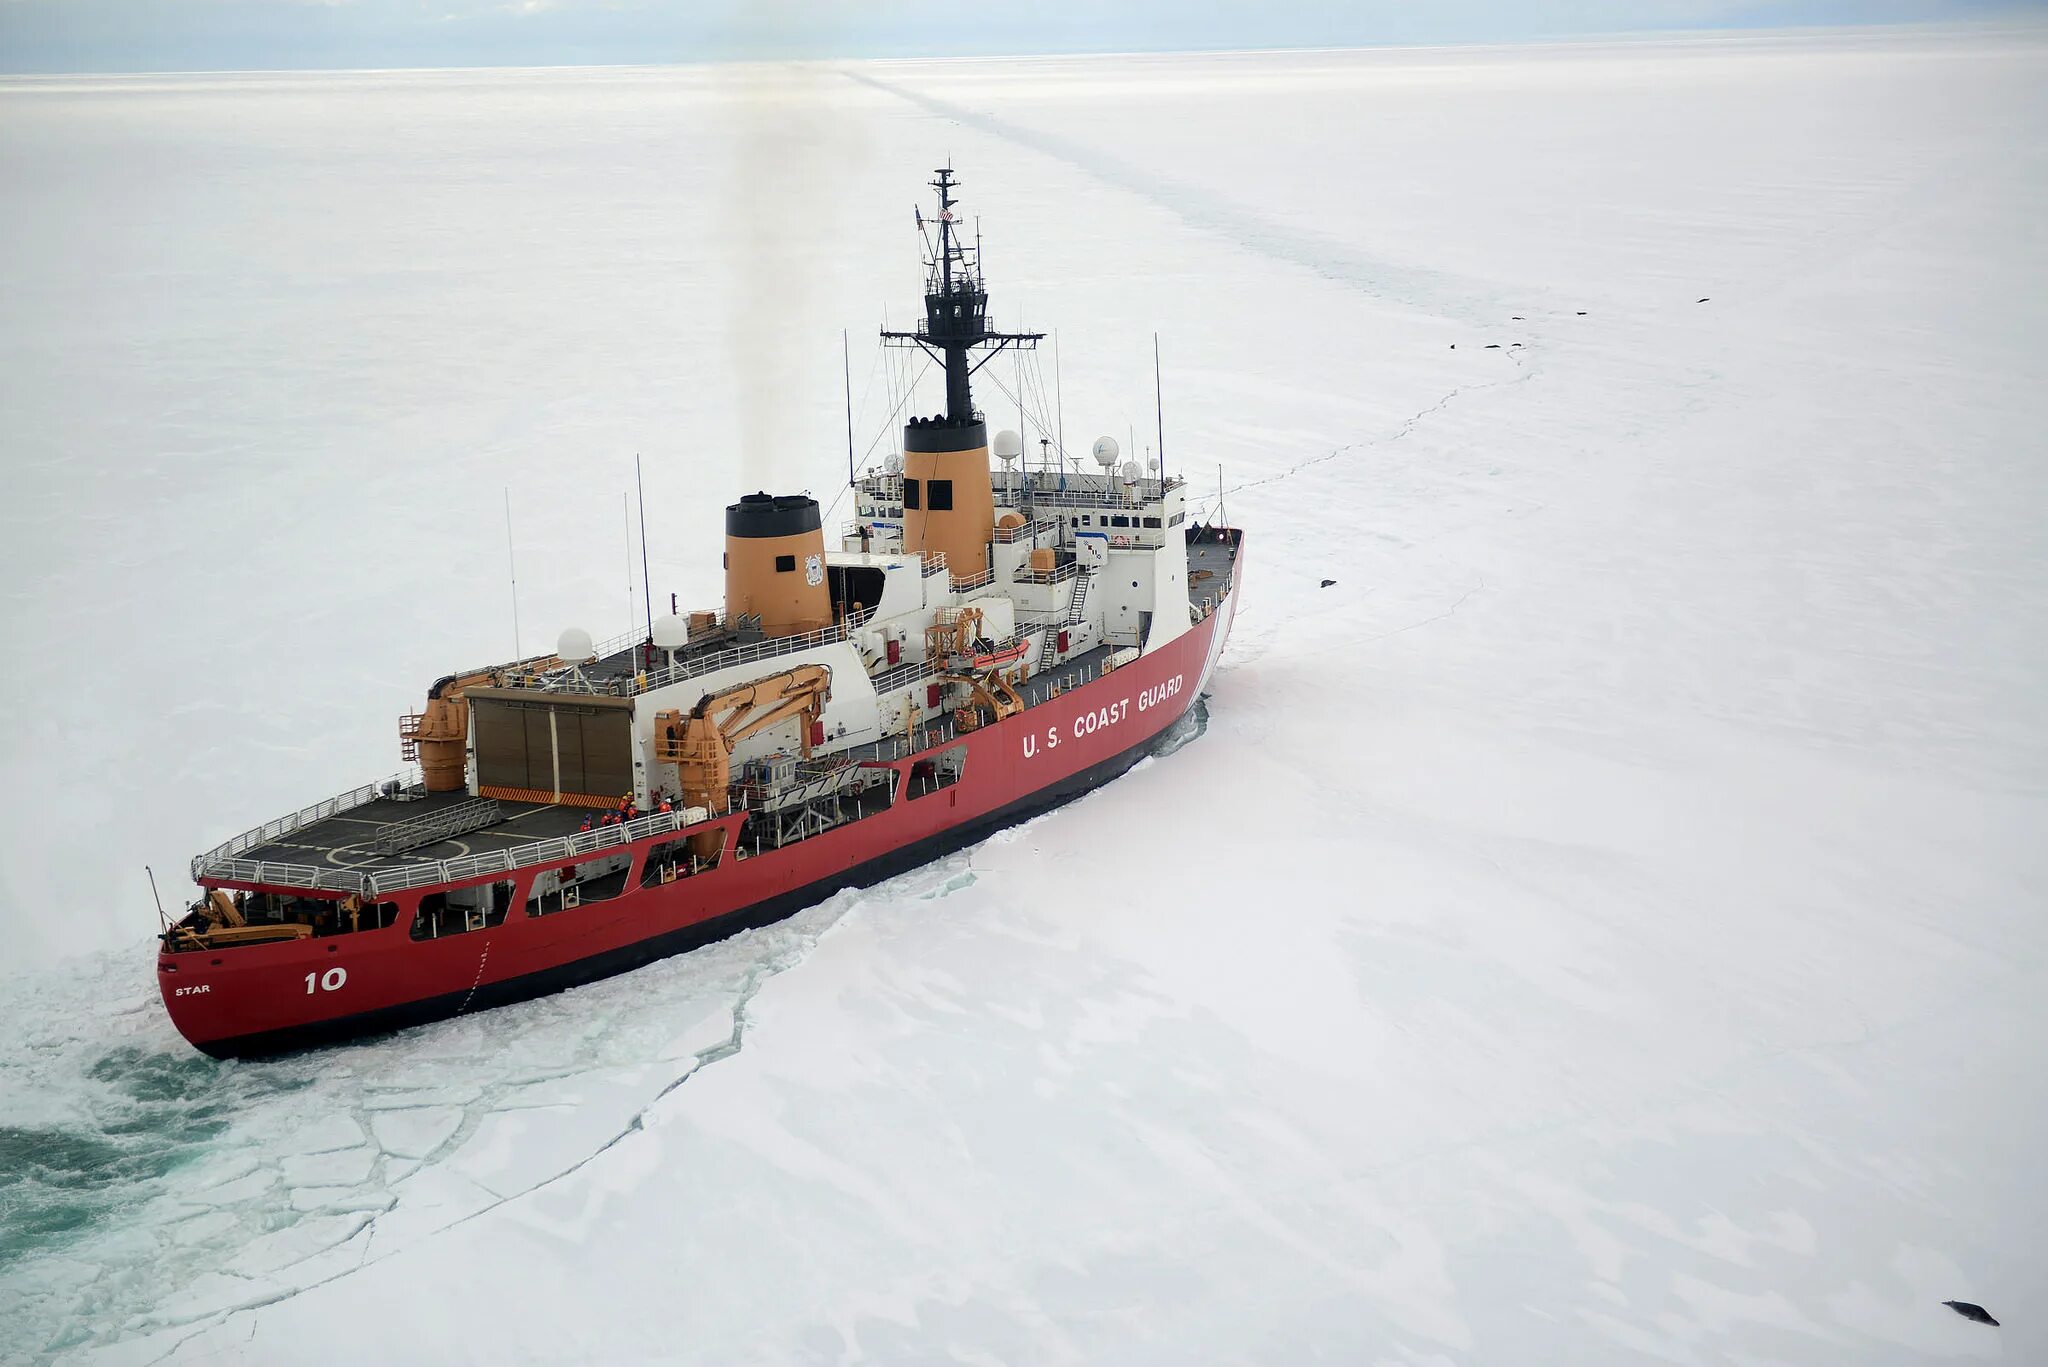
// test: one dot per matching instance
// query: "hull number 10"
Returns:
(329, 981)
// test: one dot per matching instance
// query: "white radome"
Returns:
(574, 646)
(671, 632)
(892, 464)
(1106, 451)
(1130, 472)
(1007, 446)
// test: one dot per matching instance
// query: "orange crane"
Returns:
(439, 737)
(700, 744)
(990, 689)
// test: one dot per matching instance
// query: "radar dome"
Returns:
(1007, 445)
(1130, 472)
(671, 632)
(892, 464)
(1105, 449)
(574, 646)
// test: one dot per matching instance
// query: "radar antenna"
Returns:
(955, 306)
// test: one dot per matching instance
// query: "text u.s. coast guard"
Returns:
(1107, 715)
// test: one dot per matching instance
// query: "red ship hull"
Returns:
(267, 998)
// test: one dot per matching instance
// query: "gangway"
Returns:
(435, 827)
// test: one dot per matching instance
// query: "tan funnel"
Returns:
(948, 506)
(439, 737)
(775, 563)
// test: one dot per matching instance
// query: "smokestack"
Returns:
(775, 563)
(948, 504)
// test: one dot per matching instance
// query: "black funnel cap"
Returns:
(757, 516)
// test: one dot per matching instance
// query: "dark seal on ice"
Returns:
(1972, 1312)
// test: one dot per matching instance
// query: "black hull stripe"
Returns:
(642, 952)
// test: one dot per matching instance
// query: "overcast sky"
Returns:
(204, 35)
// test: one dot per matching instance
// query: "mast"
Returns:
(956, 308)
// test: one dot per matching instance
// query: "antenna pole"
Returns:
(646, 579)
(1023, 460)
(626, 507)
(846, 372)
(162, 919)
(1059, 408)
(1159, 413)
(512, 570)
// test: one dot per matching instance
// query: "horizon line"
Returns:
(2010, 22)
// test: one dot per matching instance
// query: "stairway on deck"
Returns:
(1077, 601)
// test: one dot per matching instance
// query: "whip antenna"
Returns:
(846, 371)
(512, 570)
(1159, 413)
(646, 579)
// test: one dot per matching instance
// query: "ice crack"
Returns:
(1418, 287)
(756, 980)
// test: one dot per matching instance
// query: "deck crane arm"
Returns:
(700, 744)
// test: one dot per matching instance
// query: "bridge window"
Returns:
(1151, 522)
(1120, 521)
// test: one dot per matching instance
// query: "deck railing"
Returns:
(562, 849)
(375, 883)
(641, 681)
(1059, 574)
(737, 655)
(281, 874)
(902, 676)
(1044, 526)
(298, 821)
(974, 581)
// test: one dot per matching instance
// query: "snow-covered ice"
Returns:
(1602, 926)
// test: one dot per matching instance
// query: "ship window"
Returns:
(941, 771)
(910, 487)
(1151, 522)
(942, 496)
(1119, 521)
(461, 909)
(672, 859)
(785, 564)
(1176, 519)
(666, 862)
(598, 879)
(325, 915)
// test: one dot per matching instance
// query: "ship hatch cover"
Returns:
(553, 743)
